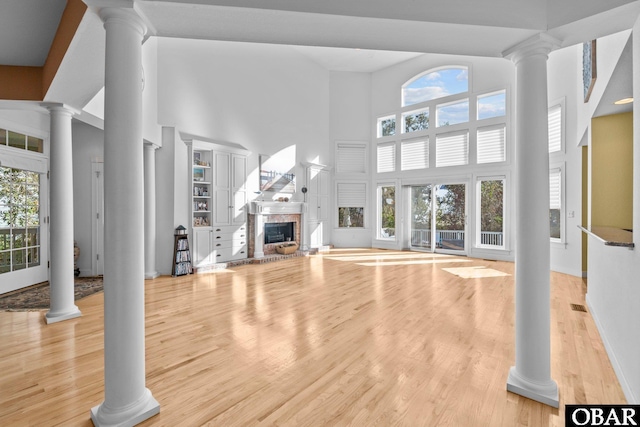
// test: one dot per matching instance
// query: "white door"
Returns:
(23, 223)
(97, 229)
(318, 205)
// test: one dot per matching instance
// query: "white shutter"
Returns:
(555, 189)
(555, 128)
(352, 194)
(491, 143)
(351, 158)
(414, 155)
(452, 150)
(386, 157)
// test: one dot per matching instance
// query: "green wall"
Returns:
(612, 171)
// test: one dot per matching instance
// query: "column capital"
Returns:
(60, 108)
(540, 44)
(151, 145)
(123, 11)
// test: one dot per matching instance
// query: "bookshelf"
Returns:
(181, 253)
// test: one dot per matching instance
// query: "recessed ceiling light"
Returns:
(623, 101)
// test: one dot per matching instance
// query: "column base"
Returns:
(258, 254)
(59, 317)
(142, 410)
(546, 393)
(152, 275)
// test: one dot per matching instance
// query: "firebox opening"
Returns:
(279, 232)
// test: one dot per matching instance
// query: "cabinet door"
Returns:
(239, 207)
(201, 247)
(222, 208)
(239, 172)
(222, 189)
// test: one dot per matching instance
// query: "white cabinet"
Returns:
(229, 186)
(219, 197)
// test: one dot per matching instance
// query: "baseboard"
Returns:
(624, 384)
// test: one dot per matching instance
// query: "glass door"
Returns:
(421, 216)
(451, 217)
(438, 217)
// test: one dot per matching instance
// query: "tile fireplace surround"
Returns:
(261, 213)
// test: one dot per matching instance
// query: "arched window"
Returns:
(435, 84)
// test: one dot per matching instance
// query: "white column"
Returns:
(531, 375)
(127, 400)
(61, 283)
(150, 211)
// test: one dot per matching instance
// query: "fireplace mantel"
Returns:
(275, 208)
(261, 210)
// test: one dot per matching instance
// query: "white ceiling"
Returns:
(343, 35)
(27, 28)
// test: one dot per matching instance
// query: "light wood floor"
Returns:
(351, 337)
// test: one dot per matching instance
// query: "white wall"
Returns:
(562, 85)
(613, 292)
(88, 144)
(350, 121)
(263, 97)
(151, 131)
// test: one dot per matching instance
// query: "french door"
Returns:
(439, 217)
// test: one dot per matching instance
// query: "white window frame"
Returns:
(448, 104)
(379, 126)
(468, 67)
(379, 187)
(35, 162)
(560, 169)
(489, 128)
(404, 115)
(338, 204)
(561, 104)
(486, 95)
(393, 149)
(354, 147)
(403, 155)
(449, 135)
(505, 212)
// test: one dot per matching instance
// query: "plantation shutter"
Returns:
(491, 143)
(351, 158)
(555, 190)
(386, 157)
(555, 128)
(414, 155)
(352, 194)
(452, 150)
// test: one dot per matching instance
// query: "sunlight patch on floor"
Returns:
(412, 262)
(386, 255)
(476, 272)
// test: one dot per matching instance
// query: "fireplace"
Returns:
(273, 222)
(275, 232)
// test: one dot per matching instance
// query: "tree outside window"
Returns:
(388, 212)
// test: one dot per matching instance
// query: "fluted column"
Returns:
(531, 375)
(150, 211)
(127, 400)
(61, 278)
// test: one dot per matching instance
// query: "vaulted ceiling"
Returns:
(375, 33)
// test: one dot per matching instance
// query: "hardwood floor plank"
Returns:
(353, 337)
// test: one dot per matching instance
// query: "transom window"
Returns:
(20, 141)
(435, 84)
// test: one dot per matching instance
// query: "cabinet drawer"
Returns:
(229, 253)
